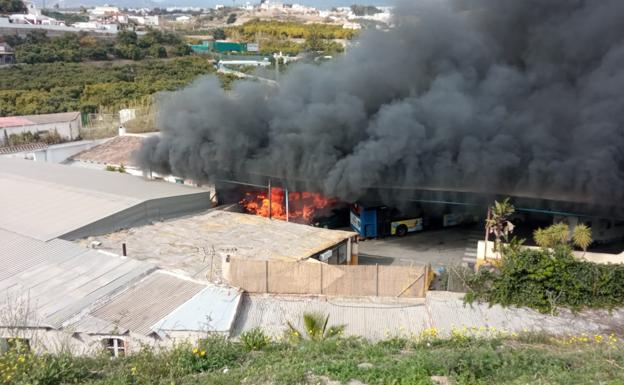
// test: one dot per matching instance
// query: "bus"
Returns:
(381, 221)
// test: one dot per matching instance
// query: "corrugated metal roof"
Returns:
(45, 201)
(142, 306)
(212, 309)
(57, 280)
(372, 318)
(22, 148)
(380, 318)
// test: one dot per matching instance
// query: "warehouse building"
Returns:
(66, 124)
(198, 245)
(46, 201)
(57, 295)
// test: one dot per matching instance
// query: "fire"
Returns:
(302, 206)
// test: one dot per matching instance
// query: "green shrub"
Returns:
(546, 279)
(216, 352)
(255, 339)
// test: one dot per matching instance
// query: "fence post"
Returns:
(266, 276)
(377, 280)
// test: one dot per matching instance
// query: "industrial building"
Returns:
(57, 295)
(66, 124)
(197, 245)
(46, 201)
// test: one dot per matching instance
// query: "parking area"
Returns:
(451, 246)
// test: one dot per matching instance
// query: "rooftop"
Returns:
(58, 284)
(194, 245)
(58, 279)
(27, 120)
(116, 151)
(163, 302)
(46, 201)
(382, 318)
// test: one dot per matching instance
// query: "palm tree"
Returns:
(553, 235)
(316, 328)
(497, 222)
(559, 235)
(581, 236)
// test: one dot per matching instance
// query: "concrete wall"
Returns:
(311, 277)
(67, 130)
(44, 340)
(588, 256)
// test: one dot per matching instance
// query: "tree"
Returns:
(313, 41)
(12, 6)
(316, 329)
(218, 34)
(231, 19)
(559, 235)
(364, 10)
(126, 38)
(497, 222)
(581, 236)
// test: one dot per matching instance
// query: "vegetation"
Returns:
(37, 47)
(465, 357)
(288, 37)
(51, 137)
(559, 235)
(255, 339)
(252, 29)
(12, 6)
(67, 18)
(364, 10)
(120, 169)
(497, 222)
(315, 328)
(49, 88)
(548, 277)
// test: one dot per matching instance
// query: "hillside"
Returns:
(466, 357)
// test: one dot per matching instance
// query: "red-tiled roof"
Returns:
(13, 121)
(116, 151)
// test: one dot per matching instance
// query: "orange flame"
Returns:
(302, 206)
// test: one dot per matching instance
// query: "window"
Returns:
(115, 346)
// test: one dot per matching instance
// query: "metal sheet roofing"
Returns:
(212, 309)
(46, 201)
(371, 318)
(57, 280)
(148, 302)
(379, 318)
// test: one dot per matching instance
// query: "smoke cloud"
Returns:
(520, 97)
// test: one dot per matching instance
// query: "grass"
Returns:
(519, 359)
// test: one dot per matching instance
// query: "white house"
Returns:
(66, 124)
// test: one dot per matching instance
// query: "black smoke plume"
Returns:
(520, 97)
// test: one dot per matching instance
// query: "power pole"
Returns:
(286, 198)
(270, 200)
